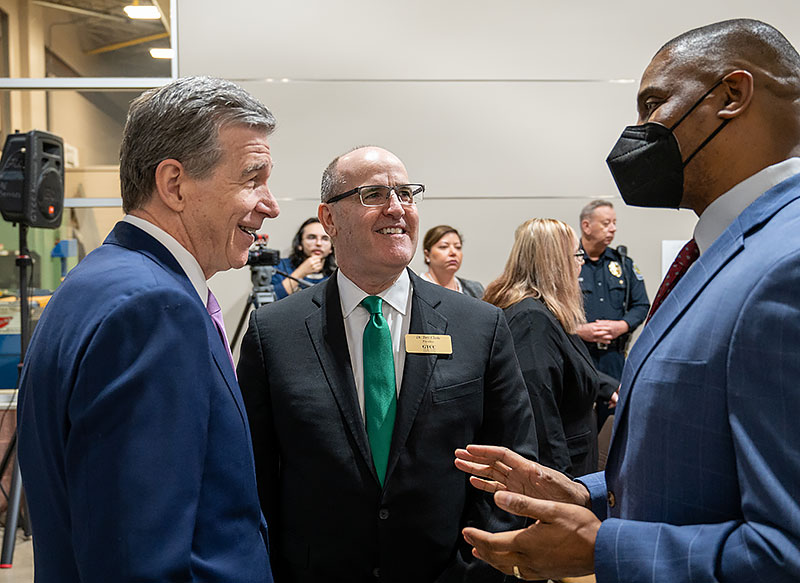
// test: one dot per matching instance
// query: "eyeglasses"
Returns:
(378, 195)
(580, 256)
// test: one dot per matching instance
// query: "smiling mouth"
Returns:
(249, 230)
(391, 231)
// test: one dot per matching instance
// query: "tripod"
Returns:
(15, 492)
(263, 293)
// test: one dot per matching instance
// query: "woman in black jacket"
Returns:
(540, 295)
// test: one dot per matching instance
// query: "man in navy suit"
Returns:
(133, 440)
(703, 475)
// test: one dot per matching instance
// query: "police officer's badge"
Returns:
(615, 269)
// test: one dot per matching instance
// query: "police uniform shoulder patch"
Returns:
(615, 268)
(637, 272)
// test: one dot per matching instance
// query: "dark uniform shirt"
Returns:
(603, 283)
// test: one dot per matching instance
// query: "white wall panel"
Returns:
(506, 110)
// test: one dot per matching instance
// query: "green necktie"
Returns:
(380, 396)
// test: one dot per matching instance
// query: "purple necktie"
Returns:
(216, 315)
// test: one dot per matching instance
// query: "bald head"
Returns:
(755, 46)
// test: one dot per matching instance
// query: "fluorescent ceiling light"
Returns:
(162, 53)
(142, 12)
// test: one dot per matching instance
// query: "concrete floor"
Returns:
(22, 570)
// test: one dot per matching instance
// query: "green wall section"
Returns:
(42, 242)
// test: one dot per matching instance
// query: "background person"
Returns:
(539, 293)
(133, 441)
(614, 296)
(353, 426)
(442, 247)
(312, 259)
(703, 472)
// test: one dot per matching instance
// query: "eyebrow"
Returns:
(257, 167)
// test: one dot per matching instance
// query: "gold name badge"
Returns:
(429, 344)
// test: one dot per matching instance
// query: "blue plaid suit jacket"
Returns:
(704, 464)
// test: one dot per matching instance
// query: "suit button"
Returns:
(612, 500)
(376, 573)
(383, 514)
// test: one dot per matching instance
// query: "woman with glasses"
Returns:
(442, 248)
(312, 259)
(542, 301)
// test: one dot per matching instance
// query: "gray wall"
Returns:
(505, 110)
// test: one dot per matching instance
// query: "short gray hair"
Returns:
(182, 120)
(589, 209)
(332, 180)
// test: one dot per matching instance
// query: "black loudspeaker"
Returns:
(32, 179)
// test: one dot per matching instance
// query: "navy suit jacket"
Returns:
(704, 464)
(133, 441)
(330, 519)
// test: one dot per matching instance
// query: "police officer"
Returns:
(614, 296)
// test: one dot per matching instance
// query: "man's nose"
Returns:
(267, 205)
(393, 206)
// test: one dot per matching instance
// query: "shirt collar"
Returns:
(395, 295)
(723, 211)
(185, 259)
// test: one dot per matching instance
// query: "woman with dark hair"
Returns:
(312, 259)
(442, 248)
(541, 298)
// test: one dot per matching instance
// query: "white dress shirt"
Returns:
(185, 259)
(396, 310)
(719, 215)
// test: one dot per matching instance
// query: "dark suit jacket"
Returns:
(329, 518)
(133, 440)
(562, 383)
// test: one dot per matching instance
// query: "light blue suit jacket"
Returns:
(133, 440)
(704, 464)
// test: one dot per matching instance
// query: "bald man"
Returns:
(354, 447)
(703, 474)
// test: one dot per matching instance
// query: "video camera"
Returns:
(261, 255)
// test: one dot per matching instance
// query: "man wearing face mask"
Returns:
(702, 481)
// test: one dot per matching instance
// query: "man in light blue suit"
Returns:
(703, 475)
(133, 440)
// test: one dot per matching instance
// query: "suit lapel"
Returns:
(133, 238)
(325, 327)
(418, 368)
(725, 248)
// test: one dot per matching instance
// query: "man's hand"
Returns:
(559, 544)
(496, 469)
(603, 331)
(598, 331)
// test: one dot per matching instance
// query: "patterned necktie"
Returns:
(216, 315)
(380, 395)
(679, 267)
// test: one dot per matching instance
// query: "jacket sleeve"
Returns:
(762, 401)
(254, 383)
(139, 415)
(638, 304)
(508, 421)
(539, 354)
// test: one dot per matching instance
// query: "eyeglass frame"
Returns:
(392, 189)
(580, 255)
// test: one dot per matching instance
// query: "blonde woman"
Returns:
(540, 295)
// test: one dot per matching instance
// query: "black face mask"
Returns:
(646, 162)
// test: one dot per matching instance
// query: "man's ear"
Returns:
(325, 217)
(170, 178)
(738, 87)
(585, 227)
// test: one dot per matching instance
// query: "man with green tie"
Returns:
(359, 390)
